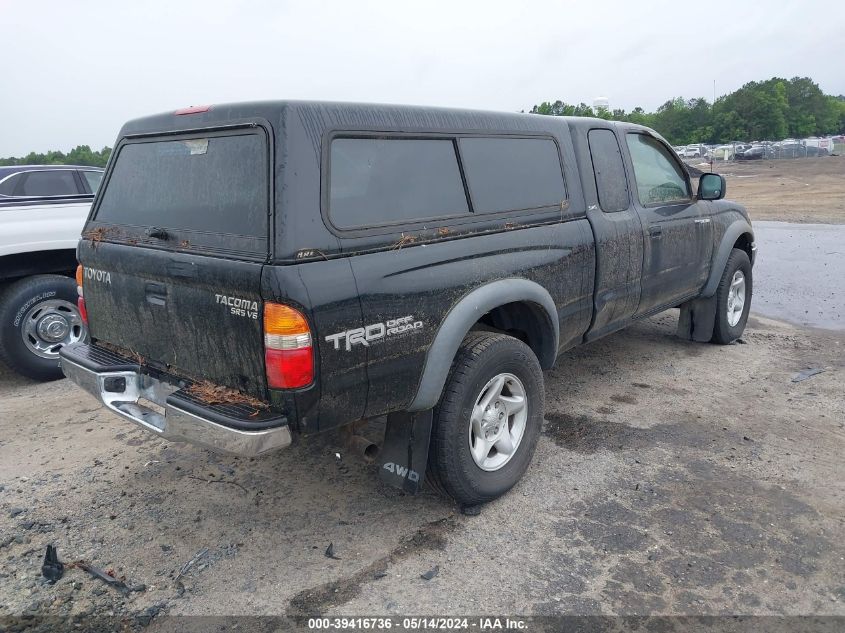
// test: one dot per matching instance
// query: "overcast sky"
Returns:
(73, 72)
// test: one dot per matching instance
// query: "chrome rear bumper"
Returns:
(125, 392)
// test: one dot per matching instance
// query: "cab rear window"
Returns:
(215, 184)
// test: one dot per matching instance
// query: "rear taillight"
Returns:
(80, 301)
(83, 312)
(288, 354)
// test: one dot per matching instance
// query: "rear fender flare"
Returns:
(734, 232)
(466, 313)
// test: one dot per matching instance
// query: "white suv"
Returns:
(42, 211)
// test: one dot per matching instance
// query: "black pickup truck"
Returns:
(255, 271)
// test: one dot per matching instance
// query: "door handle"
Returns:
(655, 231)
(702, 220)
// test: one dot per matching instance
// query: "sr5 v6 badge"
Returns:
(374, 332)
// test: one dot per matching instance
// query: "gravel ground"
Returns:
(671, 478)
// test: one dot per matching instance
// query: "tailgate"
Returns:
(173, 254)
(198, 316)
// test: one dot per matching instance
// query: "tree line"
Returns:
(766, 110)
(79, 155)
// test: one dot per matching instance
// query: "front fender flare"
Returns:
(466, 313)
(733, 233)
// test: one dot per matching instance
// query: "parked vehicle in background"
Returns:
(261, 270)
(818, 146)
(756, 152)
(791, 148)
(42, 211)
(693, 151)
(723, 152)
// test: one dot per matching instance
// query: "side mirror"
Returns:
(711, 187)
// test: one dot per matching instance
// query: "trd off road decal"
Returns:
(374, 332)
(238, 306)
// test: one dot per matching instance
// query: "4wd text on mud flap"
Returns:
(374, 332)
(402, 471)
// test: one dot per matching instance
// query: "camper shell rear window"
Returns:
(195, 188)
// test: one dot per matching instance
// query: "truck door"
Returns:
(676, 228)
(618, 233)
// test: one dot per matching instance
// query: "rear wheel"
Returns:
(488, 420)
(733, 298)
(38, 316)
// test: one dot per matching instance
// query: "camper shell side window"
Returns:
(383, 182)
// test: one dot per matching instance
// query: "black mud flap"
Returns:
(697, 320)
(404, 454)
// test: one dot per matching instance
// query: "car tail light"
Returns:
(288, 354)
(80, 301)
(83, 312)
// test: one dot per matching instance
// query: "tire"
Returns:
(41, 309)
(730, 321)
(452, 468)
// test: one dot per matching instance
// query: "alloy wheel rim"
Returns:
(736, 298)
(497, 423)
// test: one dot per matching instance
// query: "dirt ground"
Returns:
(799, 190)
(671, 478)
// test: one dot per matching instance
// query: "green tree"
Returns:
(79, 155)
(810, 112)
(770, 110)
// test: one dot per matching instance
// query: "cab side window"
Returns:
(93, 178)
(609, 171)
(8, 184)
(660, 179)
(47, 183)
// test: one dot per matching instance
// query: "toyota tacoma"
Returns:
(259, 271)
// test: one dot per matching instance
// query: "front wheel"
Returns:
(38, 316)
(733, 298)
(488, 420)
